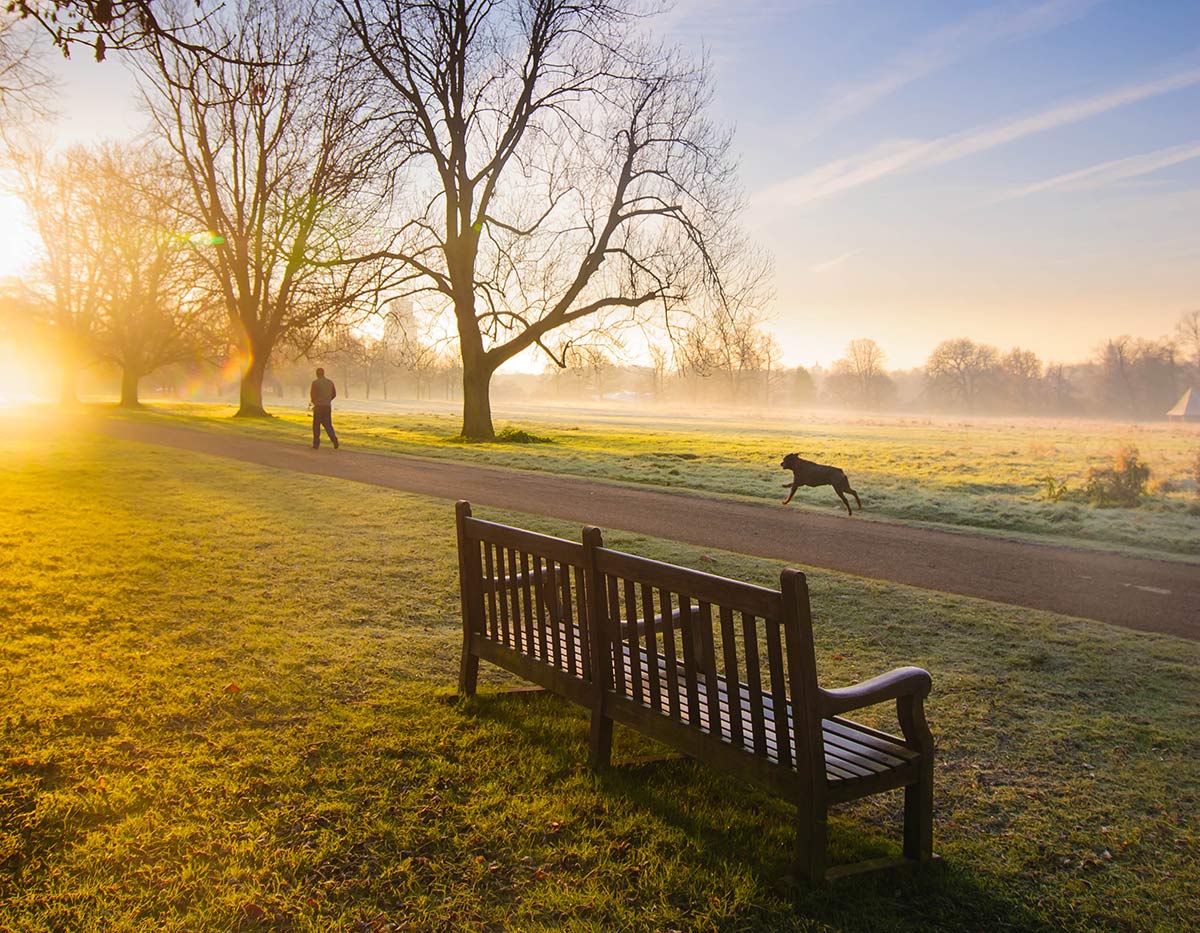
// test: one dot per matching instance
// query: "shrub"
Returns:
(1055, 489)
(1122, 484)
(518, 436)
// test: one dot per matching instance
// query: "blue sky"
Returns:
(1018, 172)
(1023, 172)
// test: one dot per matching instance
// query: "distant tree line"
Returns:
(1124, 377)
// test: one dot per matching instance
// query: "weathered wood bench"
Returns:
(721, 670)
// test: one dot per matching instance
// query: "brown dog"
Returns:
(807, 473)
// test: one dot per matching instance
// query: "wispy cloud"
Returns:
(1108, 173)
(952, 43)
(836, 261)
(892, 157)
(724, 27)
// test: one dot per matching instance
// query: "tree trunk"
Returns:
(250, 402)
(129, 388)
(477, 402)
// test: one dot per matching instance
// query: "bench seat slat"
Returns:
(851, 750)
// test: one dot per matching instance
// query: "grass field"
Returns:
(987, 474)
(225, 709)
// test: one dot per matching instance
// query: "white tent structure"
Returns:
(1187, 408)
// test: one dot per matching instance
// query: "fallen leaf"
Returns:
(254, 912)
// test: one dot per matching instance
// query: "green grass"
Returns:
(987, 475)
(226, 709)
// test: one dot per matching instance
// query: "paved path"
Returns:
(1151, 595)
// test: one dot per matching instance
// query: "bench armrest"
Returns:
(901, 682)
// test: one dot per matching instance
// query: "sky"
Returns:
(1021, 172)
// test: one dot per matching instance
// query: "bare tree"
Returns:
(565, 167)
(1187, 333)
(99, 25)
(960, 370)
(1059, 386)
(1138, 377)
(116, 276)
(70, 268)
(728, 341)
(859, 377)
(24, 82)
(660, 358)
(279, 164)
(1022, 373)
(153, 315)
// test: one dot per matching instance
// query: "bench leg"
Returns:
(918, 818)
(811, 833)
(468, 673)
(600, 741)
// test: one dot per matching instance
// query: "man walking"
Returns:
(321, 394)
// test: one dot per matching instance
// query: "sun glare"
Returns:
(17, 241)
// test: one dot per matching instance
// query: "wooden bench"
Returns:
(721, 670)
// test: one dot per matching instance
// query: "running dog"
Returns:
(807, 473)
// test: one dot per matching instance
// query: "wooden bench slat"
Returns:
(526, 591)
(631, 635)
(584, 620)
(748, 597)
(669, 623)
(514, 606)
(778, 691)
(758, 721)
(867, 736)
(519, 539)
(845, 758)
(653, 681)
(567, 611)
(688, 638)
(490, 572)
(729, 647)
(836, 739)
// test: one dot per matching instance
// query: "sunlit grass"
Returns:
(986, 474)
(223, 710)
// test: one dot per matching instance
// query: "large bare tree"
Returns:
(116, 278)
(69, 271)
(563, 173)
(280, 166)
(153, 313)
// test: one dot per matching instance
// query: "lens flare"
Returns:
(206, 238)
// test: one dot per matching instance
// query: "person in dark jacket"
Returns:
(321, 394)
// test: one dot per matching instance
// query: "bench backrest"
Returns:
(526, 592)
(729, 662)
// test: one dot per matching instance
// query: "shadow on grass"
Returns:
(730, 825)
